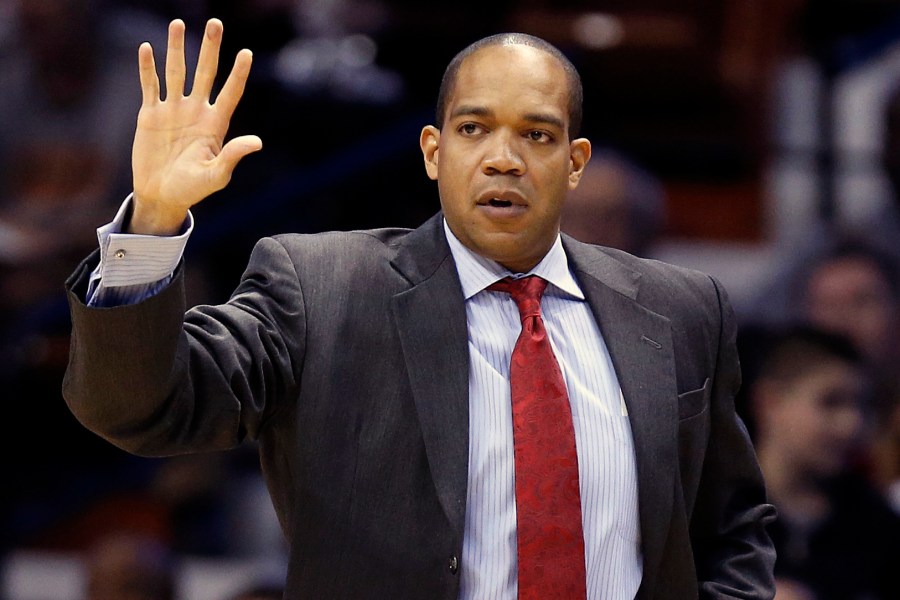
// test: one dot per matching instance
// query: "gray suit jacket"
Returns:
(345, 355)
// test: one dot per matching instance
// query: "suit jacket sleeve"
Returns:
(733, 552)
(156, 381)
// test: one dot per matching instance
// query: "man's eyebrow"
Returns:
(544, 118)
(477, 111)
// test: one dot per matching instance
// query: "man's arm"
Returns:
(154, 380)
(134, 370)
(733, 552)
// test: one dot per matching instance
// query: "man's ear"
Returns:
(579, 155)
(429, 141)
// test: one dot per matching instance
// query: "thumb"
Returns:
(233, 152)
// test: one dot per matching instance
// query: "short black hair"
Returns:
(576, 93)
(794, 353)
(856, 247)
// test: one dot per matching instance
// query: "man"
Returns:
(853, 290)
(835, 534)
(377, 370)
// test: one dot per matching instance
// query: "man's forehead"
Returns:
(533, 75)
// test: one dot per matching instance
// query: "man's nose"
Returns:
(502, 156)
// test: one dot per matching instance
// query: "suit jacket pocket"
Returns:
(691, 404)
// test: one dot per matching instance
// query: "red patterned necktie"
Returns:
(548, 503)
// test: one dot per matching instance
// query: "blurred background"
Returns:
(757, 140)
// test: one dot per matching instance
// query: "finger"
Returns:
(147, 70)
(234, 86)
(208, 63)
(232, 153)
(175, 60)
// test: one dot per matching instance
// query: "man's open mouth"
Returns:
(496, 202)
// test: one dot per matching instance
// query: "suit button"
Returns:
(453, 564)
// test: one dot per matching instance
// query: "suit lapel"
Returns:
(640, 343)
(431, 321)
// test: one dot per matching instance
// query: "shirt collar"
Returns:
(477, 272)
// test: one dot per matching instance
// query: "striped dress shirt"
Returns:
(606, 463)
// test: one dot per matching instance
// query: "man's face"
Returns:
(851, 297)
(819, 419)
(502, 159)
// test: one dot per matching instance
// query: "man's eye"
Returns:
(538, 136)
(469, 128)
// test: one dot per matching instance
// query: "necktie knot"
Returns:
(526, 291)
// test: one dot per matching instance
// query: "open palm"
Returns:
(180, 156)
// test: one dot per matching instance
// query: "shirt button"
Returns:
(119, 254)
(454, 565)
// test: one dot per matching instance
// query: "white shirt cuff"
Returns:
(133, 259)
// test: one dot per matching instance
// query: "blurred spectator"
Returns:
(855, 291)
(130, 567)
(617, 204)
(846, 284)
(835, 534)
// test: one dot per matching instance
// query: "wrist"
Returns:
(145, 220)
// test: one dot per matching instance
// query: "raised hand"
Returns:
(179, 156)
